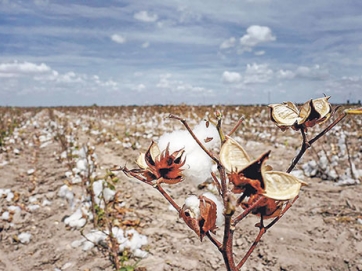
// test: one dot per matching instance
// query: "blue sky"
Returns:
(171, 52)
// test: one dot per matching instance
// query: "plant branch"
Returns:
(184, 122)
(306, 144)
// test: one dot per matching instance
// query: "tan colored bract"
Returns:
(312, 112)
(275, 184)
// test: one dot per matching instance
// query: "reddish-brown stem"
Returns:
(157, 186)
(306, 144)
(236, 126)
(262, 230)
(227, 245)
(216, 182)
(168, 197)
(240, 217)
(184, 122)
(214, 240)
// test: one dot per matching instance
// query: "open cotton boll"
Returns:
(198, 164)
(76, 220)
(66, 193)
(193, 204)
(24, 237)
(5, 215)
(219, 208)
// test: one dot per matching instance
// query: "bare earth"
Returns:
(322, 231)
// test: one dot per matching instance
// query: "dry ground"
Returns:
(322, 231)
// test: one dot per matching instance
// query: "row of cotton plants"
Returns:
(93, 198)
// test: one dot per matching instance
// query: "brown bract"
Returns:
(312, 112)
(253, 179)
(161, 166)
(202, 220)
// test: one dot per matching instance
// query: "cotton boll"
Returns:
(108, 194)
(24, 237)
(137, 240)
(219, 208)
(192, 203)
(33, 207)
(5, 215)
(10, 196)
(14, 209)
(65, 192)
(82, 165)
(76, 220)
(198, 164)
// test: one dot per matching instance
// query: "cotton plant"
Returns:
(245, 185)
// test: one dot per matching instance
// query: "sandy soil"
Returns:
(322, 231)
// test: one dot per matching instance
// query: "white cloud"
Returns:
(139, 87)
(145, 44)
(145, 17)
(14, 69)
(285, 74)
(228, 43)
(315, 72)
(231, 77)
(256, 34)
(118, 38)
(179, 86)
(259, 53)
(255, 73)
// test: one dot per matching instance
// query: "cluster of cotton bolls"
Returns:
(129, 239)
(331, 168)
(85, 168)
(198, 164)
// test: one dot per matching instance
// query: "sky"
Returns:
(142, 52)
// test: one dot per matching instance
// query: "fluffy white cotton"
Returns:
(192, 203)
(130, 239)
(219, 210)
(198, 164)
(76, 220)
(66, 192)
(100, 190)
(24, 237)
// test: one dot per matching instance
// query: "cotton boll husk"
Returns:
(198, 164)
(219, 208)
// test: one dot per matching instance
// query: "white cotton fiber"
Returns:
(76, 220)
(192, 203)
(24, 237)
(198, 164)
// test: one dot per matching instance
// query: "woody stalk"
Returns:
(245, 186)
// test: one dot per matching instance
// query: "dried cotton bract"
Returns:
(287, 114)
(253, 178)
(161, 166)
